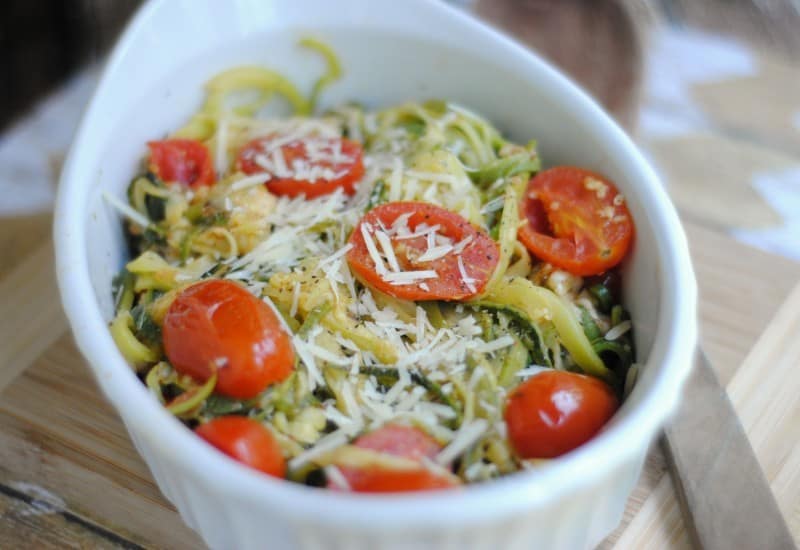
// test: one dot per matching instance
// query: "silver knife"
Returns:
(725, 497)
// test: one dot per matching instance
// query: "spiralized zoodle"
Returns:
(397, 268)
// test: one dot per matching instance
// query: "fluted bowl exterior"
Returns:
(392, 52)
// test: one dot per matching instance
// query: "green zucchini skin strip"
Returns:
(507, 236)
(520, 163)
(538, 352)
(314, 317)
(531, 299)
(603, 296)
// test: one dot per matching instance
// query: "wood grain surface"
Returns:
(766, 394)
(725, 498)
(57, 433)
(69, 476)
(737, 302)
(31, 317)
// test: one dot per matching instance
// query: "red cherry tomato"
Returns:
(478, 258)
(311, 166)
(247, 441)
(218, 325)
(402, 441)
(399, 440)
(184, 161)
(577, 221)
(384, 480)
(556, 411)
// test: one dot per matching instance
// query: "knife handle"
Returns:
(725, 497)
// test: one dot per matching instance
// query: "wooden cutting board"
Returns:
(69, 475)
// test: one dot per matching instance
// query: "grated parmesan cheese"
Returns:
(127, 211)
(325, 444)
(335, 256)
(334, 475)
(380, 268)
(493, 345)
(422, 230)
(295, 299)
(594, 184)
(619, 330)
(467, 436)
(409, 277)
(469, 281)
(250, 181)
(435, 253)
(388, 250)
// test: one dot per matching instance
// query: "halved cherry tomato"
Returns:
(556, 411)
(310, 166)
(478, 258)
(247, 441)
(399, 440)
(184, 161)
(217, 325)
(384, 480)
(577, 220)
(402, 441)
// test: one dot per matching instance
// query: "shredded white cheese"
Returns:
(127, 211)
(323, 445)
(619, 330)
(388, 250)
(335, 476)
(409, 277)
(295, 299)
(467, 436)
(493, 345)
(469, 281)
(380, 268)
(435, 253)
(250, 181)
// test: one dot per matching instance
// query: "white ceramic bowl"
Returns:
(392, 51)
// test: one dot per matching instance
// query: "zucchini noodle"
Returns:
(142, 191)
(507, 237)
(216, 242)
(266, 84)
(158, 376)
(364, 355)
(540, 303)
(333, 73)
(522, 265)
(193, 398)
(134, 351)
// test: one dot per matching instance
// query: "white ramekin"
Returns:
(392, 51)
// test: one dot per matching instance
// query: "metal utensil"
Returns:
(726, 499)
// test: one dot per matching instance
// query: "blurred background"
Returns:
(709, 89)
